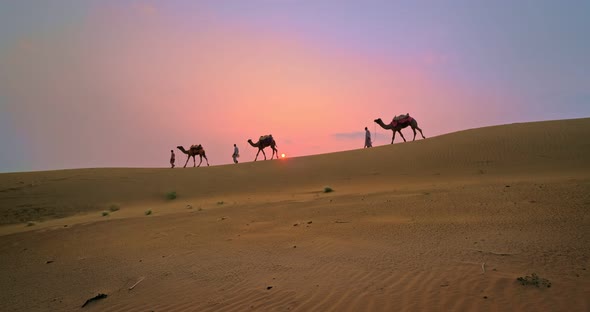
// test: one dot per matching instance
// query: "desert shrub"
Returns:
(149, 212)
(328, 189)
(105, 213)
(114, 208)
(534, 280)
(171, 195)
(220, 202)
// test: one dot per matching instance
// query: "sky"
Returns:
(87, 84)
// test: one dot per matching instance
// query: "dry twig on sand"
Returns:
(503, 254)
(141, 279)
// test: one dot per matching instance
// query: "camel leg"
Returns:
(400, 133)
(187, 158)
(257, 154)
(420, 132)
(414, 130)
(207, 160)
(274, 150)
(200, 160)
(393, 138)
(263, 153)
(194, 161)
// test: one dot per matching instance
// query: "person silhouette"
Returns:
(172, 158)
(368, 142)
(236, 154)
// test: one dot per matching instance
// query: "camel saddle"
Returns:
(196, 147)
(265, 138)
(401, 119)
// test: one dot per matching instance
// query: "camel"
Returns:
(400, 122)
(263, 142)
(192, 152)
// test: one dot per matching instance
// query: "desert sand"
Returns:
(443, 224)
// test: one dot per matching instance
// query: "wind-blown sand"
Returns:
(442, 224)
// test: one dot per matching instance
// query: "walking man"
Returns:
(172, 158)
(368, 142)
(236, 154)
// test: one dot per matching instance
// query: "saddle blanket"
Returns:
(401, 119)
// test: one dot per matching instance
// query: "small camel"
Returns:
(400, 122)
(263, 142)
(192, 152)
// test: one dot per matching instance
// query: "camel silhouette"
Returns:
(400, 122)
(192, 152)
(263, 142)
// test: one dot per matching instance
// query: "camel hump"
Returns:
(197, 147)
(400, 117)
(266, 137)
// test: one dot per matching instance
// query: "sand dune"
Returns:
(446, 223)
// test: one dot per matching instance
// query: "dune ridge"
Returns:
(447, 223)
(528, 148)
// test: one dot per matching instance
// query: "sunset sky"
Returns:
(121, 83)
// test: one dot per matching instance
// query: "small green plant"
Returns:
(105, 213)
(328, 189)
(534, 280)
(149, 212)
(114, 208)
(171, 195)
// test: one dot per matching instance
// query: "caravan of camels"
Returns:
(396, 125)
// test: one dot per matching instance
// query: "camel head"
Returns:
(250, 141)
(378, 120)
